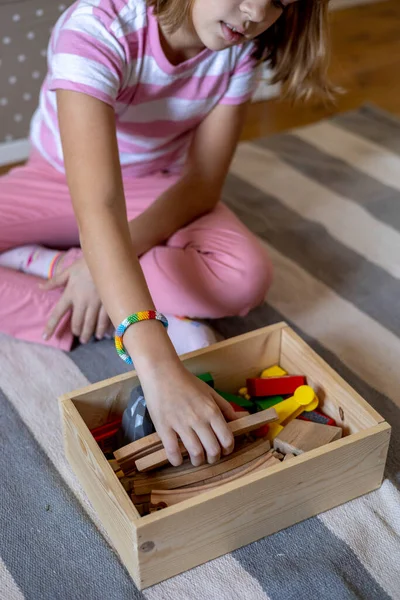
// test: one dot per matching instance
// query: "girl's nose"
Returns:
(255, 9)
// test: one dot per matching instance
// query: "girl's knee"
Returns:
(245, 284)
(256, 278)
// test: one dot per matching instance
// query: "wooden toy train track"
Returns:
(153, 486)
(262, 440)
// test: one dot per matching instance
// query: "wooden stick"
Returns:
(252, 422)
(288, 456)
(176, 477)
(278, 455)
(171, 497)
(238, 427)
(150, 441)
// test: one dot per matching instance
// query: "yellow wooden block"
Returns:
(274, 429)
(304, 399)
(274, 371)
(243, 392)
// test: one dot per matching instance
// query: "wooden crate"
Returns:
(168, 542)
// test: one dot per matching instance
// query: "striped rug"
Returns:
(325, 200)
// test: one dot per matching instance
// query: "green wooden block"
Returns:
(207, 378)
(239, 400)
(267, 402)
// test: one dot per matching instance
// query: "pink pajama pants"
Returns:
(212, 268)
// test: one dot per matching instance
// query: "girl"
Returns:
(139, 117)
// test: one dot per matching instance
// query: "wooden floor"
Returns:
(365, 61)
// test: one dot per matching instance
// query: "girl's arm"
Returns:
(199, 189)
(178, 402)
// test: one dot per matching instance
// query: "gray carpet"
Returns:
(325, 200)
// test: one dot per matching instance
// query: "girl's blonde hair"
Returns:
(296, 46)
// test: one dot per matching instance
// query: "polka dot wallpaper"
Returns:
(25, 27)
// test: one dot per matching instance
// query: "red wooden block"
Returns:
(262, 432)
(237, 408)
(104, 434)
(107, 430)
(275, 386)
(317, 416)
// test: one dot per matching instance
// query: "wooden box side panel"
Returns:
(230, 362)
(115, 509)
(181, 537)
(337, 397)
(100, 402)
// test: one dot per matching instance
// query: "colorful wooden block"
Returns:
(317, 417)
(262, 432)
(302, 436)
(264, 403)
(237, 408)
(207, 378)
(107, 435)
(274, 386)
(244, 393)
(104, 431)
(304, 399)
(239, 400)
(274, 371)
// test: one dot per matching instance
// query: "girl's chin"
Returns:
(215, 43)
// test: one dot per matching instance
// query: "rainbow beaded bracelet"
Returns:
(144, 315)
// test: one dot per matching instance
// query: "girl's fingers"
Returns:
(77, 319)
(89, 324)
(193, 445)
(171, 446)
(224, 435)
(226, 409)
(103, 323)
(209, 442)
(59, 280)
(61, 308)
(220, 426)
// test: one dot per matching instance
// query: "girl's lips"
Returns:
(231, 36)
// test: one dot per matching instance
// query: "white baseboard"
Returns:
(14, 152)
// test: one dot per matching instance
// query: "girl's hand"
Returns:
(81, 298)
(182, 405)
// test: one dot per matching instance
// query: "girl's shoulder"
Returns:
(119, 16)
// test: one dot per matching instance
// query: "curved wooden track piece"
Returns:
(171, 497)
(176, 477)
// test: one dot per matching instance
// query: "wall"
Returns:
(25, 27)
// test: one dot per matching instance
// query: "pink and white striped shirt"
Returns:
(111, 49)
